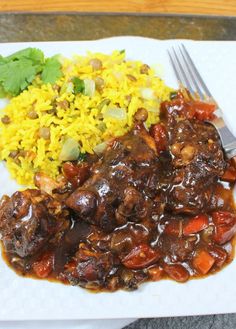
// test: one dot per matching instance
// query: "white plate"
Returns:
(28, 299)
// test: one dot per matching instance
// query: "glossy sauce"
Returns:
(152, 206)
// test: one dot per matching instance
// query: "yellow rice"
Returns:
(83, 120)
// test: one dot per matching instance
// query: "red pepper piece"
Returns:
(203, 261)
(176, 272)
(195, 224)
(140, 257)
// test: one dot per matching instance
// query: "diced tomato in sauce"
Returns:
(229, 175)
(155, 273)
(44, 267)
(203, 111)
(159, 134)
(140, 257)
(219, 254)
(176, 272)
(203, 261)
(195, 224)
(225, 223)
(189, 109)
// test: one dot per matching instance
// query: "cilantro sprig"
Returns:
(79, 85)
(52, 70)
(18, 70)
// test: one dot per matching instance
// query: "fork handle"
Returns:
(231, 153)
(228, 140)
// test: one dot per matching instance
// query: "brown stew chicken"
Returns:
(155, 204)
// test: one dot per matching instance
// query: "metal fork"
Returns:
(189, 77)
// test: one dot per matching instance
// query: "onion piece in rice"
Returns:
(100, 148)
(118, 113)
(89, 87)
(147, 93)
(70, 150)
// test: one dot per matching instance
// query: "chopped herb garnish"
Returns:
(173, 94)
(79, 85)
(82, 157)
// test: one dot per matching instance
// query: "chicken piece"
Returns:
(196, 152)
(46, 183)
(28, 220)
(91, 268)
(59, 189)
(78, 232)
(175, 248)
(124, 239)
(197, 160)
(119, 187)
(133, 205)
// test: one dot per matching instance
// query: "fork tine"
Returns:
(181, 75)
(174, 67)
(192, 77)
(197, 74)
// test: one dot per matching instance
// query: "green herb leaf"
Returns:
(173, 94)
(82, 157)
(16, 75)
(52, 70)
(78, 85)
(2, 92)
(18, 70)
(36, 56)
(2, 60)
